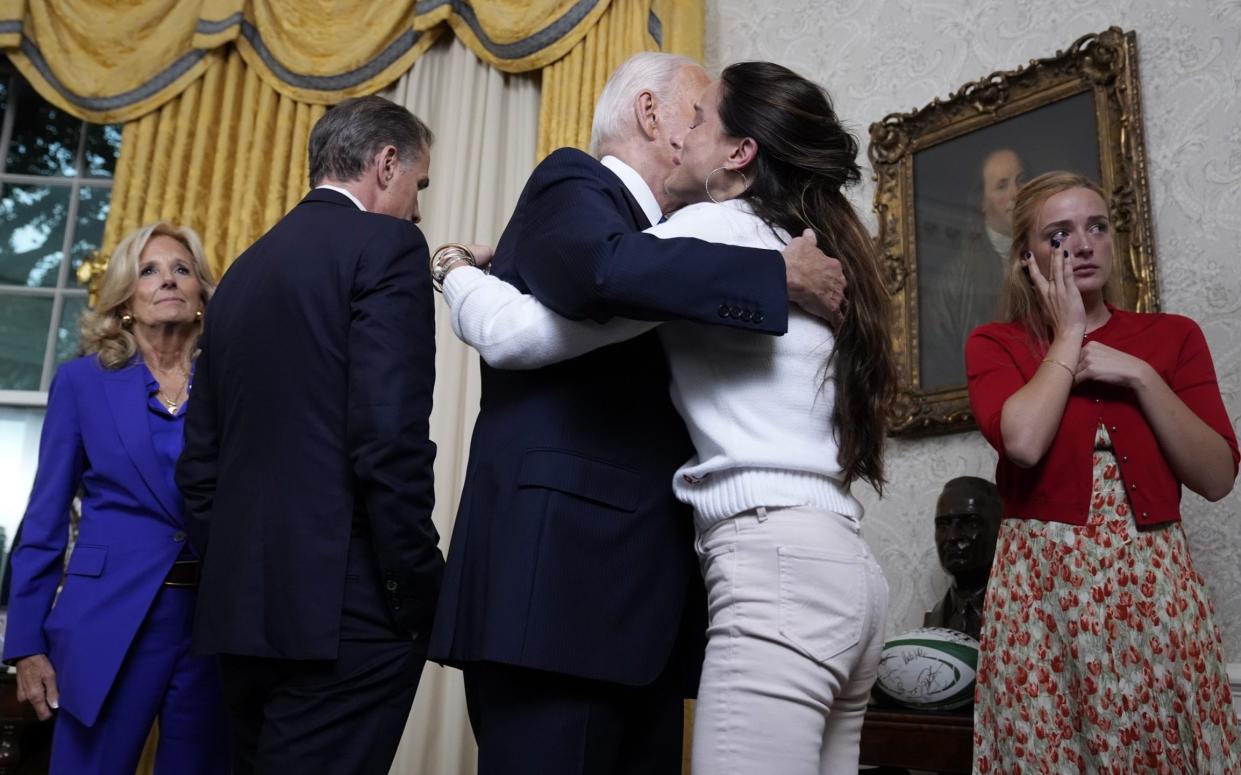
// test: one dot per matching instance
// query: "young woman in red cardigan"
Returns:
(1099, 652)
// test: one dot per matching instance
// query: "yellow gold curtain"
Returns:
(218, 96)
(682, 23)
(110, 61)
(516, 36)
(226, 157)
(573, 83)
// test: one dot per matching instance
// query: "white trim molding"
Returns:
(39, 398)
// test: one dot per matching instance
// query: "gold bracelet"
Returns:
(446, 257)
(1062, 365)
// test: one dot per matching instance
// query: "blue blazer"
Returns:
(96, 435)
(570, 553)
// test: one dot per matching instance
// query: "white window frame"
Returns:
(66, 287)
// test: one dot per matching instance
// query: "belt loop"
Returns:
(762, 514)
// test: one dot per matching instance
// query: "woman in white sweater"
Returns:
(781, 426)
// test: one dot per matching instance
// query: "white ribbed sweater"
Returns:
(758, 407)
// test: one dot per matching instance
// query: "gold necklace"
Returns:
(172, 403)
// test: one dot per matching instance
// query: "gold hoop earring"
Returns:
(706, 184)
(127, 320)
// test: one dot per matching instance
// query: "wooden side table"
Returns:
(14, 716)
(922, 740)
(895, 737)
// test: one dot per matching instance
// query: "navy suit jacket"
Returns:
(310, 416)
(570, 553)
(96, 436)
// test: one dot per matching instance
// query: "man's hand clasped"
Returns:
(816, 280)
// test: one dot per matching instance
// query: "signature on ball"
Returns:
(937, 674)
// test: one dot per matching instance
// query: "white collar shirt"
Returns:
(340, 190)
(637, 187)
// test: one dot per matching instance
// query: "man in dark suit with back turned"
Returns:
(572, 599)
(307, 464)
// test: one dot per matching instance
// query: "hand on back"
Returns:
(816, 281)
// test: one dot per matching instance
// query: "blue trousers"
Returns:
(158, 679)
(529, 722)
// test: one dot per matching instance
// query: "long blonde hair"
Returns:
(1019, 299)
(102, 330)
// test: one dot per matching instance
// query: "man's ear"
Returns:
(644, 111)
(386, 161)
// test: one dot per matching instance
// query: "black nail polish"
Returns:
(1066, 254)
(1055, 243)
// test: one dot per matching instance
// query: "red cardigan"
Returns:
(1000, 358)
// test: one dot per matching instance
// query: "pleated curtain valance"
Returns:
(109, 61)
(217, 97)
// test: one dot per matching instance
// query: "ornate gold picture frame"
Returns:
(946, 173)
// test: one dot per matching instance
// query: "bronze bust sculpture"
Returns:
(967, 522)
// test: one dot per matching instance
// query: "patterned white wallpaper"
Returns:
(880, 56)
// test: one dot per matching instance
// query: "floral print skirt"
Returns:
(1099, 650)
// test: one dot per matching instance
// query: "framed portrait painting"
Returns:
(947, 177)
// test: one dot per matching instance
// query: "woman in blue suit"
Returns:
(105, 636)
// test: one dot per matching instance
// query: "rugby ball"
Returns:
(930, 668)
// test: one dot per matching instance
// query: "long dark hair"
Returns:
(805, 159)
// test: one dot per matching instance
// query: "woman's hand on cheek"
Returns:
(1058, 293)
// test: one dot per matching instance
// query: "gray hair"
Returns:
(345, 140)
(648, 70)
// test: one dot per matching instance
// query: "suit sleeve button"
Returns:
(390, 586)
(734, 312)
(747, 316)
(723, 310)
(758, 317)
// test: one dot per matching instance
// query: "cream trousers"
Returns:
(797, 608)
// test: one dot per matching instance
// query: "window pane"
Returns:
(19, 451)
(32, 234)
(103, 144)
(68, 332)
(92, 215)
(23, 338)
(45, 138)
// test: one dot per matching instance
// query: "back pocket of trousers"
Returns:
(822, 599)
